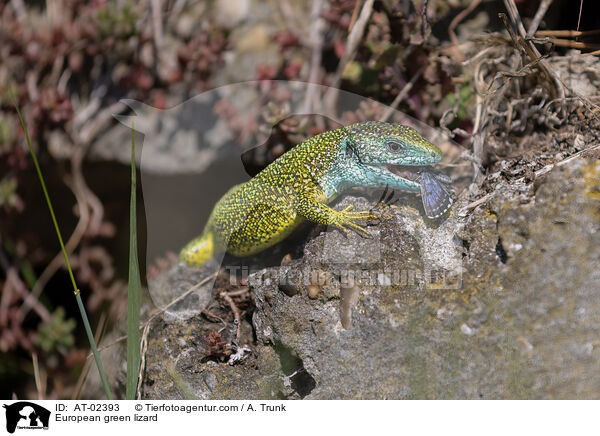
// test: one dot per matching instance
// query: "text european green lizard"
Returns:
(298, 185)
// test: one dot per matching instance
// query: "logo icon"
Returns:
(26, 415)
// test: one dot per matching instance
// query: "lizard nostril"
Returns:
(433, 154)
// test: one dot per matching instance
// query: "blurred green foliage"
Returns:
(56, 335)
(8, 192)
(115, 21)
(466, 101)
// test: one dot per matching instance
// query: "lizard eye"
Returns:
(394, 146)
(348, 151)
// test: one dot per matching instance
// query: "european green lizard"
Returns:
(298, 185)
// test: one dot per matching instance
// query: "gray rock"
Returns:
(523, 321)
(178, 367)
(173, 284)
(526, 328)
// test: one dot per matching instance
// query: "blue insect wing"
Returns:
(435, 196)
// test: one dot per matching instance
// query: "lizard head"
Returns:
(375, 153)
(377, 142)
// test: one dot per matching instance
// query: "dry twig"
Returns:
(580, 45)
(567, 33)
(161, 310)
(157, 33)
(316, 42)
(351, 46)
(354, 15)
(36, 374)
(550, 167)
(539, 15)
(403, 92)
(144, 338)
(528, 49)
(546, 169)
(461, 16)
(236, 314)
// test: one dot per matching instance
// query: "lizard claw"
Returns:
(345, 219)
(342, 229)
(384, 215)
(357, 228)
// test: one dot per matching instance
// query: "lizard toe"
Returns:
(357, 228)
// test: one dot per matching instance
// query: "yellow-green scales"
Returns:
(298, 185)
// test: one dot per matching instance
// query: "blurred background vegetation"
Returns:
(71, 61)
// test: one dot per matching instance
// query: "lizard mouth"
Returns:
(409, 172)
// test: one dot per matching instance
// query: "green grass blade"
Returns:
(134, 296)
(86, 323)
(90, 335)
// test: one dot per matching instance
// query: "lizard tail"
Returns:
(199, 250)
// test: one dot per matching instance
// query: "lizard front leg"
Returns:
(311, 209)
